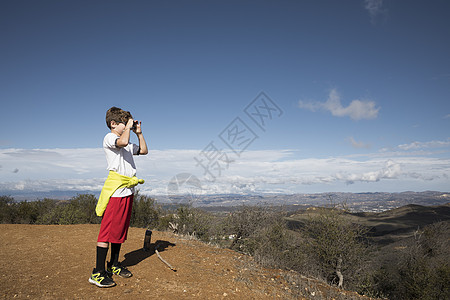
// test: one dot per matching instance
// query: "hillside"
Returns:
(389, 226)
(55, 261)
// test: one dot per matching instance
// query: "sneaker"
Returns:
(119, 270)
(101, 279)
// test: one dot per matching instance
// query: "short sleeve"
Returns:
(135, 149)
(110, 140)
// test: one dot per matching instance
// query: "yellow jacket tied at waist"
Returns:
(113, 182)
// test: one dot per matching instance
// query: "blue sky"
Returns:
(359, 92)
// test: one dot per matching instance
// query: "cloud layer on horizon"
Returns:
(259, 171)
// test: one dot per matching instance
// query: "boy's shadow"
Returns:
(136, 256)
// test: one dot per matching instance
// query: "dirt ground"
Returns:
(55, 262)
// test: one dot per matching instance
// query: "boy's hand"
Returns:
(130, 123)
(138, 128)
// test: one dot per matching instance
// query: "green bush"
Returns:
(245, 223)
(336, 246)
(79, 210)
(23, 212)
(276, 246)
(145, 212)
(193, 221)
(26, 212)
(50, 212)
(6, 209)
(263, 233)
(164, 220)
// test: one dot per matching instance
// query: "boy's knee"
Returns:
(103, 244)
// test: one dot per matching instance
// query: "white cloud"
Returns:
(93, 185)
(356, 110)
(423, 145)
(390, 170)
(40, 163)
(358, 145)
(375, 8)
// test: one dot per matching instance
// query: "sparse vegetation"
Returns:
(338, 248)
(329, 243)
(79, 210)
(145, 213)
(417, 268)
(194, 222)
(263, 233)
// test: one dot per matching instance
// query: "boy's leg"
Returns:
(115, 250)
(114, 266)
(102, 251)
(99, 276)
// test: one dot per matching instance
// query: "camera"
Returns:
(135, 123)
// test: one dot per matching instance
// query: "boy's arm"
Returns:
(124, 138)
(143, 150)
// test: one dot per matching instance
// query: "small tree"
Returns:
(337, 245)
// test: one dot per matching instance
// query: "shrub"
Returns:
(145, 213)
(245, 223)
(6, 209)
(193, 221)
(420, 269)
(79, 210)
(164, 220)
(49, 212)
(276, 246)
(262, 232)
(25, 212)
(336, 246)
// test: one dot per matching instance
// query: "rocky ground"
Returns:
(55, 262)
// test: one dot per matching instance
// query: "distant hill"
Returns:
(372, 202)
(389, 226)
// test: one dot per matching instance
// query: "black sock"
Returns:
(101, 258)
(115, 250)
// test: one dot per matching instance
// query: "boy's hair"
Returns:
(117, 115)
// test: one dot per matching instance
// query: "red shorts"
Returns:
(116, 220)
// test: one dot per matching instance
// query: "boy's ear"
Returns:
(113, 123)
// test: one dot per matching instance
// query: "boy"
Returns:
(116, 198)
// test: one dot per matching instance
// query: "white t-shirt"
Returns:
(120, 160)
